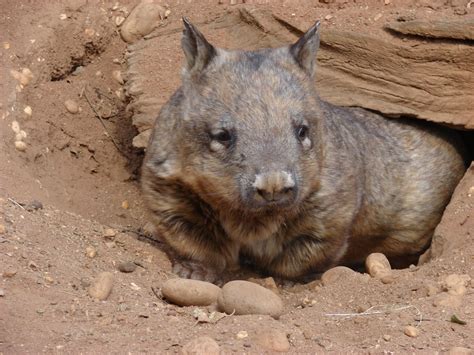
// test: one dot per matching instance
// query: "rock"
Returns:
(125, 205)
(201, 346)
(117, 74)
(185, 292)
(91, 252)
(456, 284)
(34, 205)
(20, 135)
(242, 334)
(9, 273)
(142, 20)
(110, 233)
(458, 350)
(141, 140)
(24, 77)
(127, 266)
(273, 340)
(16, 127)
(411, 331)
(445, 300)
(454, 29)
(71, 106)
(102, 286)
(28, 111)
(119, 20)
(336, 275)
(3, 229)
(2, 292)
(243, 297)
(62, 17)
(20, 146)
(267, 282)
(378, 266)
(386, 337)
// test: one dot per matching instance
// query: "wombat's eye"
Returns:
(224, 137)
(302, 132)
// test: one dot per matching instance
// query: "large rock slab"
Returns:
(432, 81)
(460, 29)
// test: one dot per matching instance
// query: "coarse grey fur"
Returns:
(245, 160)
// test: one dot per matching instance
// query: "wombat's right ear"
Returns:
(198, 51)
(304, 50)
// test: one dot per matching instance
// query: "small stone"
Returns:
(71, 106)
(89, 32)
(470, 192)
(328, 17)
(119, 20)
(337, 274)
(91, 252)
(20, 135)
(386, 2)
(2, 292)
(34, 206)
(32, 265)
(125, 205)
(49, 280)
(387, 337)
(458, 350)
(447, 300)
(127, 266)
(62, 17)
(456, 284)
(28, 111)
(273, 340)
(378, 17)
(3, 229)
(243, 297)
(378, 265)
(15, 127)
(201, 346)
(110, 233)
(102, 286)
(26, 76)
(242, 334)
(78, 70)
(411, 331)
(167, 13)
(9, 273)
(184, 292)
(142, 20)
(117, 74)
(20, 146)
(134, 286)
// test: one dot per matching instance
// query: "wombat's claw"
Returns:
(194, 270)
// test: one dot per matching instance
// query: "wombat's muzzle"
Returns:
(274, 188)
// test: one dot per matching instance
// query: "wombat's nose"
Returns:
(275, 186)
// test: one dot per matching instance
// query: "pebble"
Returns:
(62, 17)
(117, 74)
(89, 32)
(201, 346)
(243, 297)
(273, 340)
(34, 205)
(142, 20)
(91, 252)
(242, 334)
(328, 17)
(3, 229)
(20, 146)
(167, 13)
(378, 266)
(377, 17)
(102, 286)
(119, 20)
(125, 205)
(387, 337)
(20, 135)
(110, 233)
(336, 275)
(127, 266)
(16, 127)
(411, 331)
(184, 292)
(28, 111)
(458, 350)
(470, 191)
(9, 273)
(2, 292)
(71, 106)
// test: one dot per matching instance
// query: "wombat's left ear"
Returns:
(304, 50)
(197, 50)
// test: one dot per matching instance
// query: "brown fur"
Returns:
(362, 183)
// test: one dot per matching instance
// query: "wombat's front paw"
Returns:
(194, 270)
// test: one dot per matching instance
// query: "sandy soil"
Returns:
(85, 174)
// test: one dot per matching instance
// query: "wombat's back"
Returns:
(407, 172)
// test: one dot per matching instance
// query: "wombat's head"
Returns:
(249, 131)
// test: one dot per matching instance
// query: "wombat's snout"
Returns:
(275, 187)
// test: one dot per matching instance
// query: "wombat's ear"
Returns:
(304, 50)
(198, 51)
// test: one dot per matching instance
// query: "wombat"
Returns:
(246, 162)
